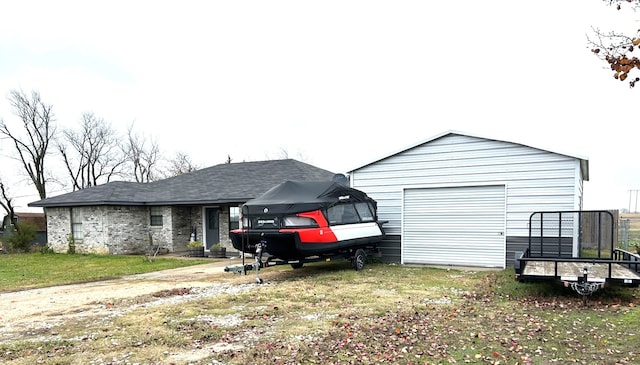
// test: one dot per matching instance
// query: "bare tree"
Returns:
(180, 164)
(38, 131)
(618, 50)
(6, 203)
(143, 155)
(91, 154)
(284, 154)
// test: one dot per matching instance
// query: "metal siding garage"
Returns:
(454, 226)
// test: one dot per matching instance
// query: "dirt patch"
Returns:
(27, 312)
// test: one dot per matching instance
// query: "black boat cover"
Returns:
(292, 197)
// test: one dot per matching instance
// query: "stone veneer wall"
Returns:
(127, 229)
(161, 234)
(225, 240)
(58, 228)
(106, 229)
(183, 219)
(186, 217)
(94, 230)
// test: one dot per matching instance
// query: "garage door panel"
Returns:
(454, 226)
(443, 225)
(439, 224)
(479, 248)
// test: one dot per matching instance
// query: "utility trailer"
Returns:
(578, 249)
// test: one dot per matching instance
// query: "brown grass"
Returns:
(330, 314)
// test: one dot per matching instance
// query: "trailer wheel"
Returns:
(359, 259)
(297, 265)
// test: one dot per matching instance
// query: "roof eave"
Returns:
(129, 203)
(583, 160)
(82, 204)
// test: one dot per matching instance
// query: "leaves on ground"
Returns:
(384, 314)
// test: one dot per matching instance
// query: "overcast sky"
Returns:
(334, 83)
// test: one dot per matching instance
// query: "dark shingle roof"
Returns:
(224, 183)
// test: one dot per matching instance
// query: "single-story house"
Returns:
(126, 217)
(462, 199)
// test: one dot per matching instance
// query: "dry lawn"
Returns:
(329, 314)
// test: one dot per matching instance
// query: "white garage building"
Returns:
(461, 199)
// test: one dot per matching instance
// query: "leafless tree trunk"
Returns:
(6, 203)
(143, 154)
(91, 154)
(38, 126)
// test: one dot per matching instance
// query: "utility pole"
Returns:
(631, 192)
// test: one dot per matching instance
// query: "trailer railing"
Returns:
(559, 228)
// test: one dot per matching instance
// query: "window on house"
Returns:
(156, 216)
(234, 218)
(76, 225)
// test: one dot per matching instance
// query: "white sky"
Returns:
(334, 83)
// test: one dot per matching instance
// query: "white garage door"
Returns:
(454, 226)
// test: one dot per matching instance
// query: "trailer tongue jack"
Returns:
(256, 266)
(583, 286)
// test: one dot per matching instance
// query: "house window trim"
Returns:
(234, 224)
(77, 231)
(156, 220)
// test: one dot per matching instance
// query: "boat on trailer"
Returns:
(297, 221)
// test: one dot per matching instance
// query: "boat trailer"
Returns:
(356, 255)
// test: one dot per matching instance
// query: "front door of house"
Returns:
(212, 227)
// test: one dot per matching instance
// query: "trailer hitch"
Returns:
(256, 266)
(584, 287)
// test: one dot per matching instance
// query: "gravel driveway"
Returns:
(25, 311)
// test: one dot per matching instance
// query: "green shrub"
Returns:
(71, 249)
(21, 237)
(46, 249)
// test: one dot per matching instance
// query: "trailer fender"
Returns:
(516, 261)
